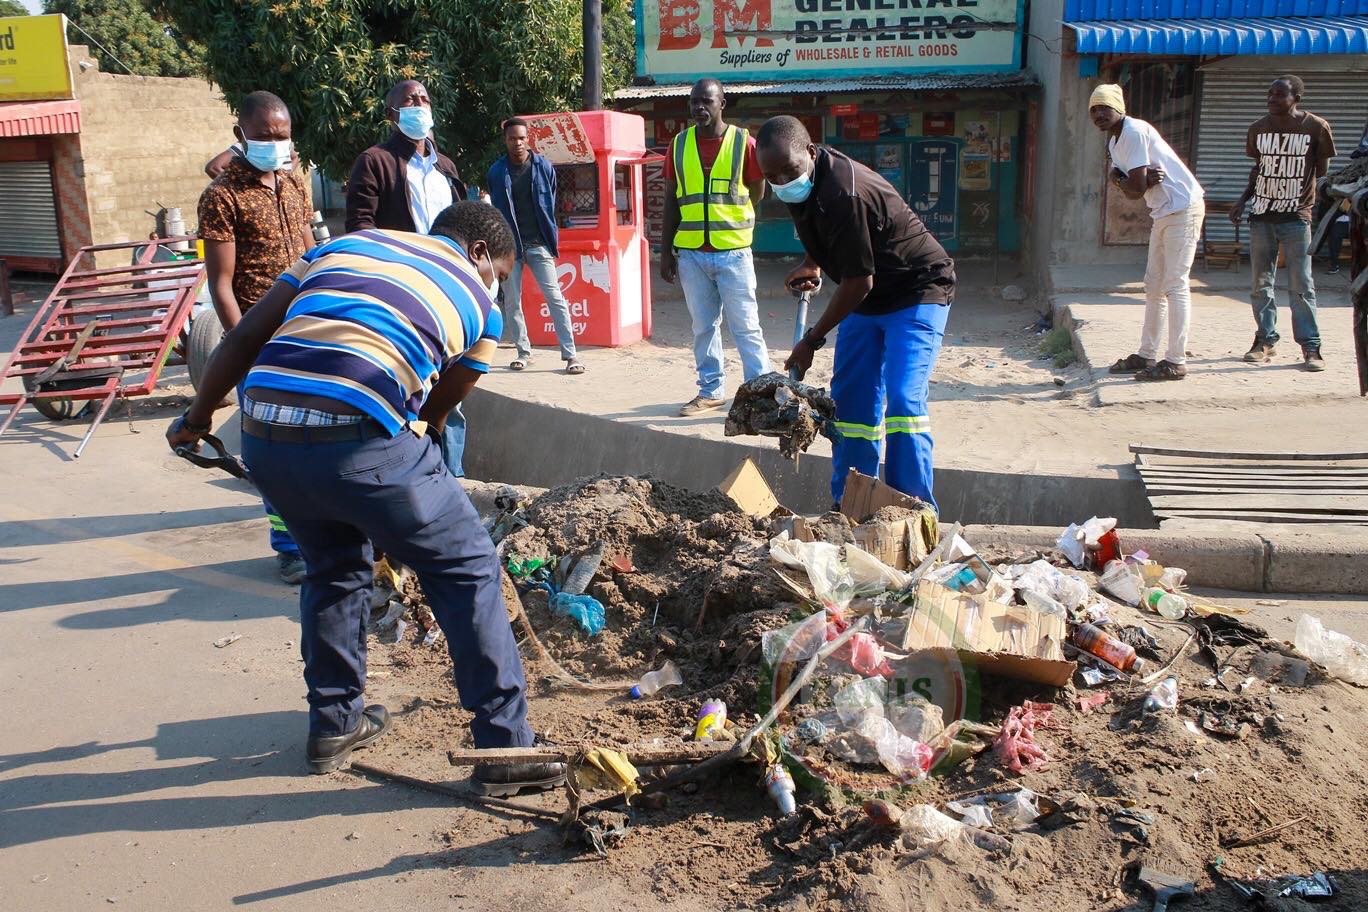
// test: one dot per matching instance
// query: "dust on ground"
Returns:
(1132, 788)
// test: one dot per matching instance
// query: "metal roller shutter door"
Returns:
(1234, 99)
(28, 211)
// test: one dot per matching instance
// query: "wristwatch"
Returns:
(813, 340)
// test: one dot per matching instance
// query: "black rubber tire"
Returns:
(59, 409)
(205, 334)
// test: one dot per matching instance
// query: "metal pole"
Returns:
(593, 55)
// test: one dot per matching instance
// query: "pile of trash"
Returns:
(895, 689)
(772, 405)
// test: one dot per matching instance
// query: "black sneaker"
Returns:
(328, 754)
(1312, 360)
(1260, 352)
(499, 781)
(1334, 268)
(291, 567)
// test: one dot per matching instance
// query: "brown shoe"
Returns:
(1312, 360)
(1260, 352)
(1130, 364)
(1164, 370)
(700, 404)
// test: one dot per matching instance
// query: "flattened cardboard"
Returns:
(748, 488)
(897, 544)
(865, 495)
(1013, 641)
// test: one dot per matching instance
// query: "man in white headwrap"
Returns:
(1146, 167)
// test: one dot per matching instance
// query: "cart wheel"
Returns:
(59, 409)
(205, 334)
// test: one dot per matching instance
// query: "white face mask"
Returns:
(493, 289)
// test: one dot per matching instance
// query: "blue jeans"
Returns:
(453, 442)
(394, 491)
(718, 283)
(1295, 238)
(543, 267)
(880, 383)
(281, 542)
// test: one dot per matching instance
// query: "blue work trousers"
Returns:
(453, 442)
(880, 381)
(337, 498)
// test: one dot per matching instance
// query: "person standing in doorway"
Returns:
(706, 242)
(254, 221)
(401, 185)
(1291, 149)
(522, 185)
(895, 284)
(1144, 166)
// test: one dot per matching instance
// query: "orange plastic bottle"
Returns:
(1103, 645)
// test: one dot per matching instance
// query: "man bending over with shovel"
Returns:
(895, 285)
(360, 339)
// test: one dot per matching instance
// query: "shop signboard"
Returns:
(931, 184)
(33, 59)
(750, 40)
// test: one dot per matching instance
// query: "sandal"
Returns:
(1164, 370)
(574, 368)
(518, 364)
(1130, 364)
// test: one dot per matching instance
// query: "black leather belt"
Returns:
(365, 429)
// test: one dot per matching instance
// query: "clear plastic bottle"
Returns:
(712, 721)
(1098, 642)
(579, 578)
(653, 681)
(779, 784)
(1167, 604)
(1164, 696)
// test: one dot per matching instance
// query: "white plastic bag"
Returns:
(1342, 657)
(1121, 582)
(855, 700)
(1070, 544)
(870, 576)
(826, 570)
(1049, 580)
(925, 826)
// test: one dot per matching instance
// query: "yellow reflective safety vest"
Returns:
(719, 209)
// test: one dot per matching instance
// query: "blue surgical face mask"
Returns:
(796, 190)
(268, 155)
(415, 122)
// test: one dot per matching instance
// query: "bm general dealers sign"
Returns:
(682, 40)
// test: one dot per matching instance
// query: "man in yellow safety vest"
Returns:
(709, 221)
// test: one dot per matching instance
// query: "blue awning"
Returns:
(1108, 10)
(1221, 37)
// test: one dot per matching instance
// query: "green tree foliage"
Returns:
(142, 43)
(332, 61)
(13, 8)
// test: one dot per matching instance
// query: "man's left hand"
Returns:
(800, 359)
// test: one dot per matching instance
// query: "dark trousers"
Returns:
(338, 498)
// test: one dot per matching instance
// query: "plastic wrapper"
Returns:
(826, 570)
(1047, 579)
(796, 642)
(1043, 603)
(584, 609)
(1014, 810)
(926, 826)
(869, 575)
(1122, 582)
(853, 701)
(1070, 544)
(1344, 658)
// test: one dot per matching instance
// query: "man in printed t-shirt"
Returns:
(1291, 149)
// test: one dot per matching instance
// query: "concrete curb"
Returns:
(1281, 559)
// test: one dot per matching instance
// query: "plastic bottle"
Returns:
(653, 681)
(1167, 604)
(1105, 646)
(712, 721)
(1163, 696)
(578, 579)
(780, 786)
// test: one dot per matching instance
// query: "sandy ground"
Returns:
(144, 766)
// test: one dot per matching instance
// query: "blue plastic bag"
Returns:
(585, 609)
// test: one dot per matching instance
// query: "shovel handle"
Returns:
(224, 460)
(800, 319)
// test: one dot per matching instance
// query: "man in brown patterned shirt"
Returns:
(254, 221)
(254, 217)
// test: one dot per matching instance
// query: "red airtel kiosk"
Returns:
(604, 260)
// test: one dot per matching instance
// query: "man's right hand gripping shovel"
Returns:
(185, 443)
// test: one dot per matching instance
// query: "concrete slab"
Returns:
(1080, 277)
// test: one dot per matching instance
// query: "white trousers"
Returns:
(1172, 245)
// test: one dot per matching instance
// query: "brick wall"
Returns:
(72, 206)
(144, 142)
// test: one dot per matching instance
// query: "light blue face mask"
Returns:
(267, 155)
(796, 190)
(415, 122)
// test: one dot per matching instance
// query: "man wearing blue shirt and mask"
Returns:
(895, 283)
(401, 185)
(254, 221)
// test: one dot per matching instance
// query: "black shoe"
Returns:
(1130, 364)
(1334, 268)
(1312, 360)
(328, 754)
(291, 567)
(498, 781)
(1260, 352)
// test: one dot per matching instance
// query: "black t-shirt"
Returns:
(855, 224)
(525, 204)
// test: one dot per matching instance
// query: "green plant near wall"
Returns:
(127, 37)
(332, 61)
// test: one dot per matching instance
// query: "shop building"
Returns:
(84, 154)
(1199, 72)
(930, 93)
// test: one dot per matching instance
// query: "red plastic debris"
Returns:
(1015, 745)
(1088, 703)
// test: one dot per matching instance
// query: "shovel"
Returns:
(1165, 887)
(800, 320)
(224, 460)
